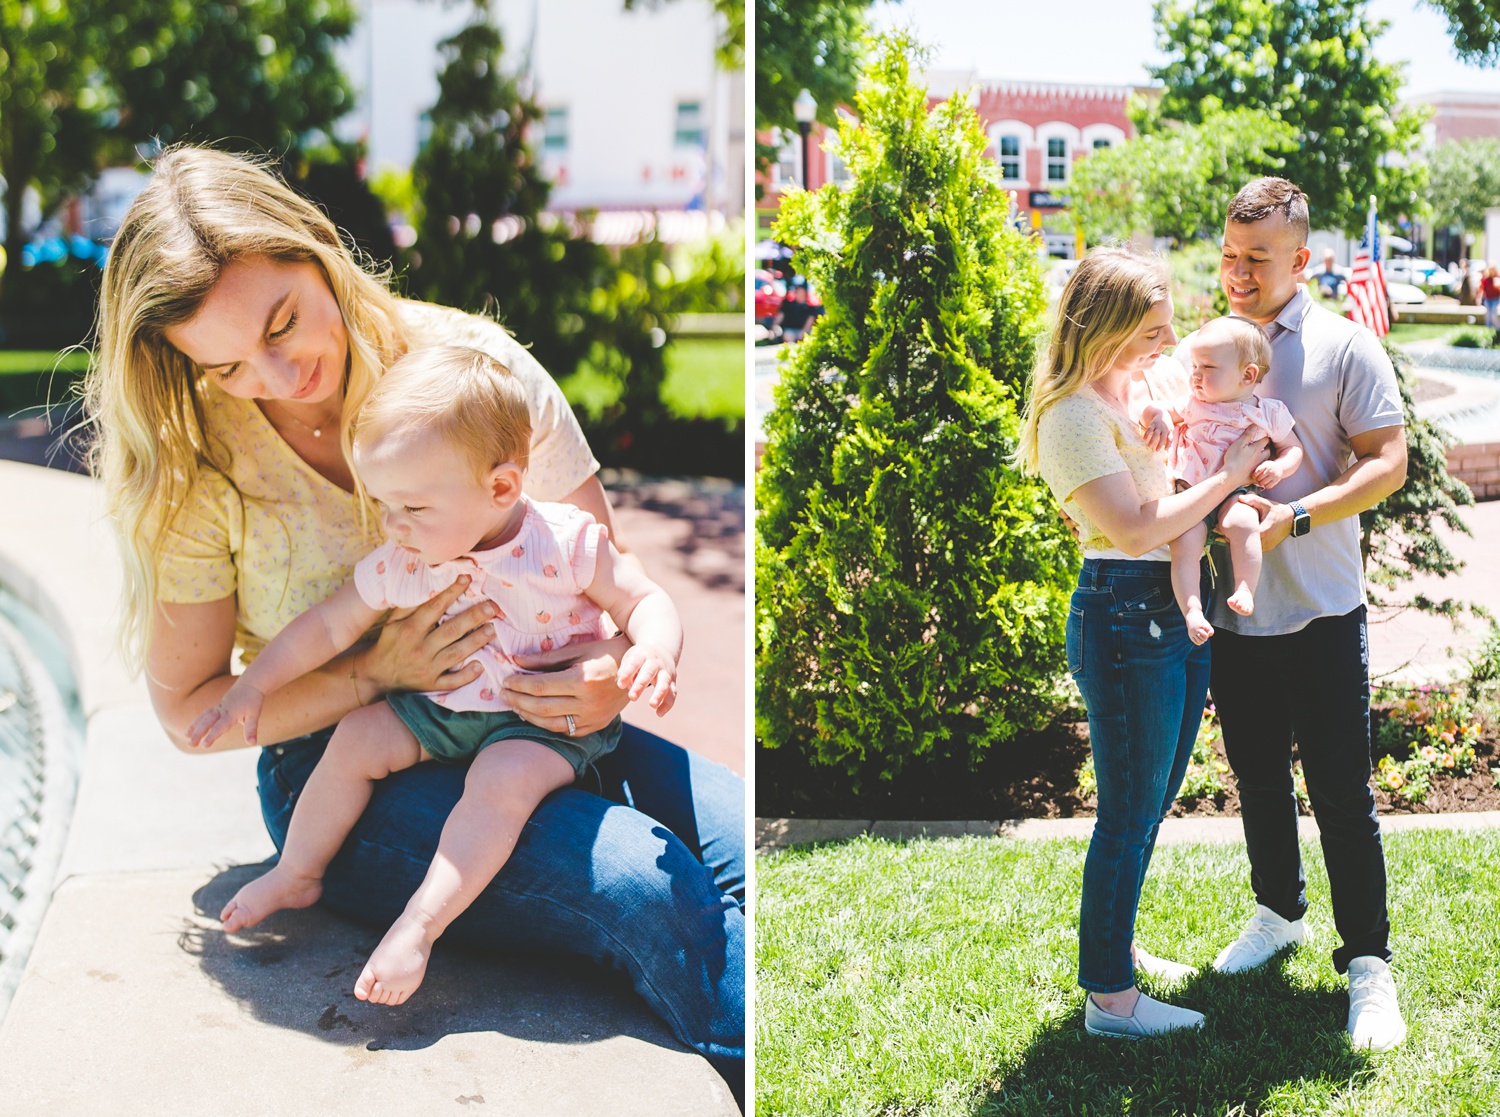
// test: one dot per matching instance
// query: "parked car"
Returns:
(1427, 274)
(1404, 294)
(769, 291)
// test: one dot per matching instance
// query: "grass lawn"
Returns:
(1405, 332)
(42, 360)
(937, 977)
(705, 380)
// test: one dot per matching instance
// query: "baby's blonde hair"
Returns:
(1252, 345)
(465, 396)
(1105, 301)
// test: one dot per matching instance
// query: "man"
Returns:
(1330, 280)
(1298, 669)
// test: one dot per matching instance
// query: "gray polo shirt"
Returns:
(1337, 381)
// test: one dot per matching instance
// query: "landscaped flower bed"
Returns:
(1417, 770)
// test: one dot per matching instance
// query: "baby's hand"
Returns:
(1156, 428)
(1267, 475)
(640, 667)
(240, 705)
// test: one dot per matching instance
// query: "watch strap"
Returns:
(1301, 519)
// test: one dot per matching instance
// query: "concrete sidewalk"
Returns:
(134, 1002)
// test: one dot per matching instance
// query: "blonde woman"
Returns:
(1143, 681)
(237, 338)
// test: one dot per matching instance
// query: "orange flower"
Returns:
(1393, 779)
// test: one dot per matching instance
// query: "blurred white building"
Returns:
(638, 115)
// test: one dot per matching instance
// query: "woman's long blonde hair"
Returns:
(1107, 297)
(201, 211)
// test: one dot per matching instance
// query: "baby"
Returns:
(441, 445)
(1230, 355)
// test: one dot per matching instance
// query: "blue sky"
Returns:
(1112, 41)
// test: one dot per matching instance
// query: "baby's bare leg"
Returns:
(1187, 550)
(1241, 526)
(504, 785)
(368, 745)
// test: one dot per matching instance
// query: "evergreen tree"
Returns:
(485, 244)
(1398, 535)
(911, 585)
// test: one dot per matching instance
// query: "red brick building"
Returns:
(1037, 131)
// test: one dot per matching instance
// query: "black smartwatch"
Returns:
(1301, 519)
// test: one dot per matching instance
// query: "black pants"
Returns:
(1312, 686)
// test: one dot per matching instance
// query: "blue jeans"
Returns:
(1144, 684)
(648, 876)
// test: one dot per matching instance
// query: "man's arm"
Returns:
(1378, 470)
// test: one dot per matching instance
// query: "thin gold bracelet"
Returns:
(354, 682)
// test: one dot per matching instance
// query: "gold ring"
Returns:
(572, 729)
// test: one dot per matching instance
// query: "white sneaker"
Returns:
(1149, 1018)
(1375, 1022)
(1263, 936)
(1162, 969)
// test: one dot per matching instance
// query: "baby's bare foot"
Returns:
(1242, 601)
(398, 965)
(278, 889)
(1198, 627)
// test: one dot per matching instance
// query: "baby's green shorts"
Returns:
(453, 736)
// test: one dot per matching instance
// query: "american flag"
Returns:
(1367, 284)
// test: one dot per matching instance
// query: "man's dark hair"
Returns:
(1259, 199)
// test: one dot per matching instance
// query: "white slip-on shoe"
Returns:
(1161, 969)
(1375, 1022)
(1150, 1018)
(1263, 936)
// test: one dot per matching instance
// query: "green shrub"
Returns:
(1399, 537)
(911, 584)
(1472, 339)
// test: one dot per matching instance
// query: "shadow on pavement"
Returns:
(716, 511)
(297, 970)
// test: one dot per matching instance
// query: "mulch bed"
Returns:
(1036, 776)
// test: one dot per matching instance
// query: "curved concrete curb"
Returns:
(778, 833)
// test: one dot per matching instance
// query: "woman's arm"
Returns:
(187, 669)
(1136, 527)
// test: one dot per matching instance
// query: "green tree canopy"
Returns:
(83, 81)
(1310, 63)
(258, 75)
(1475, 27)
(911, 583)
(1465, 179)
(1177, 180)
(815, 45)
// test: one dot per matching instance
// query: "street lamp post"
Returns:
(805, 111)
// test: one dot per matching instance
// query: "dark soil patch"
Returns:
(1036, 776)
(1429, 389)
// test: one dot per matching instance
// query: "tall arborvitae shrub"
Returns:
(1399, 534)
(584, 311)
(911, 585)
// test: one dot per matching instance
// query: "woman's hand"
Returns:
(579, 679)
(416, 652)
(1242, 458)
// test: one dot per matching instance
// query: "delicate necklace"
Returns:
(317, 431)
